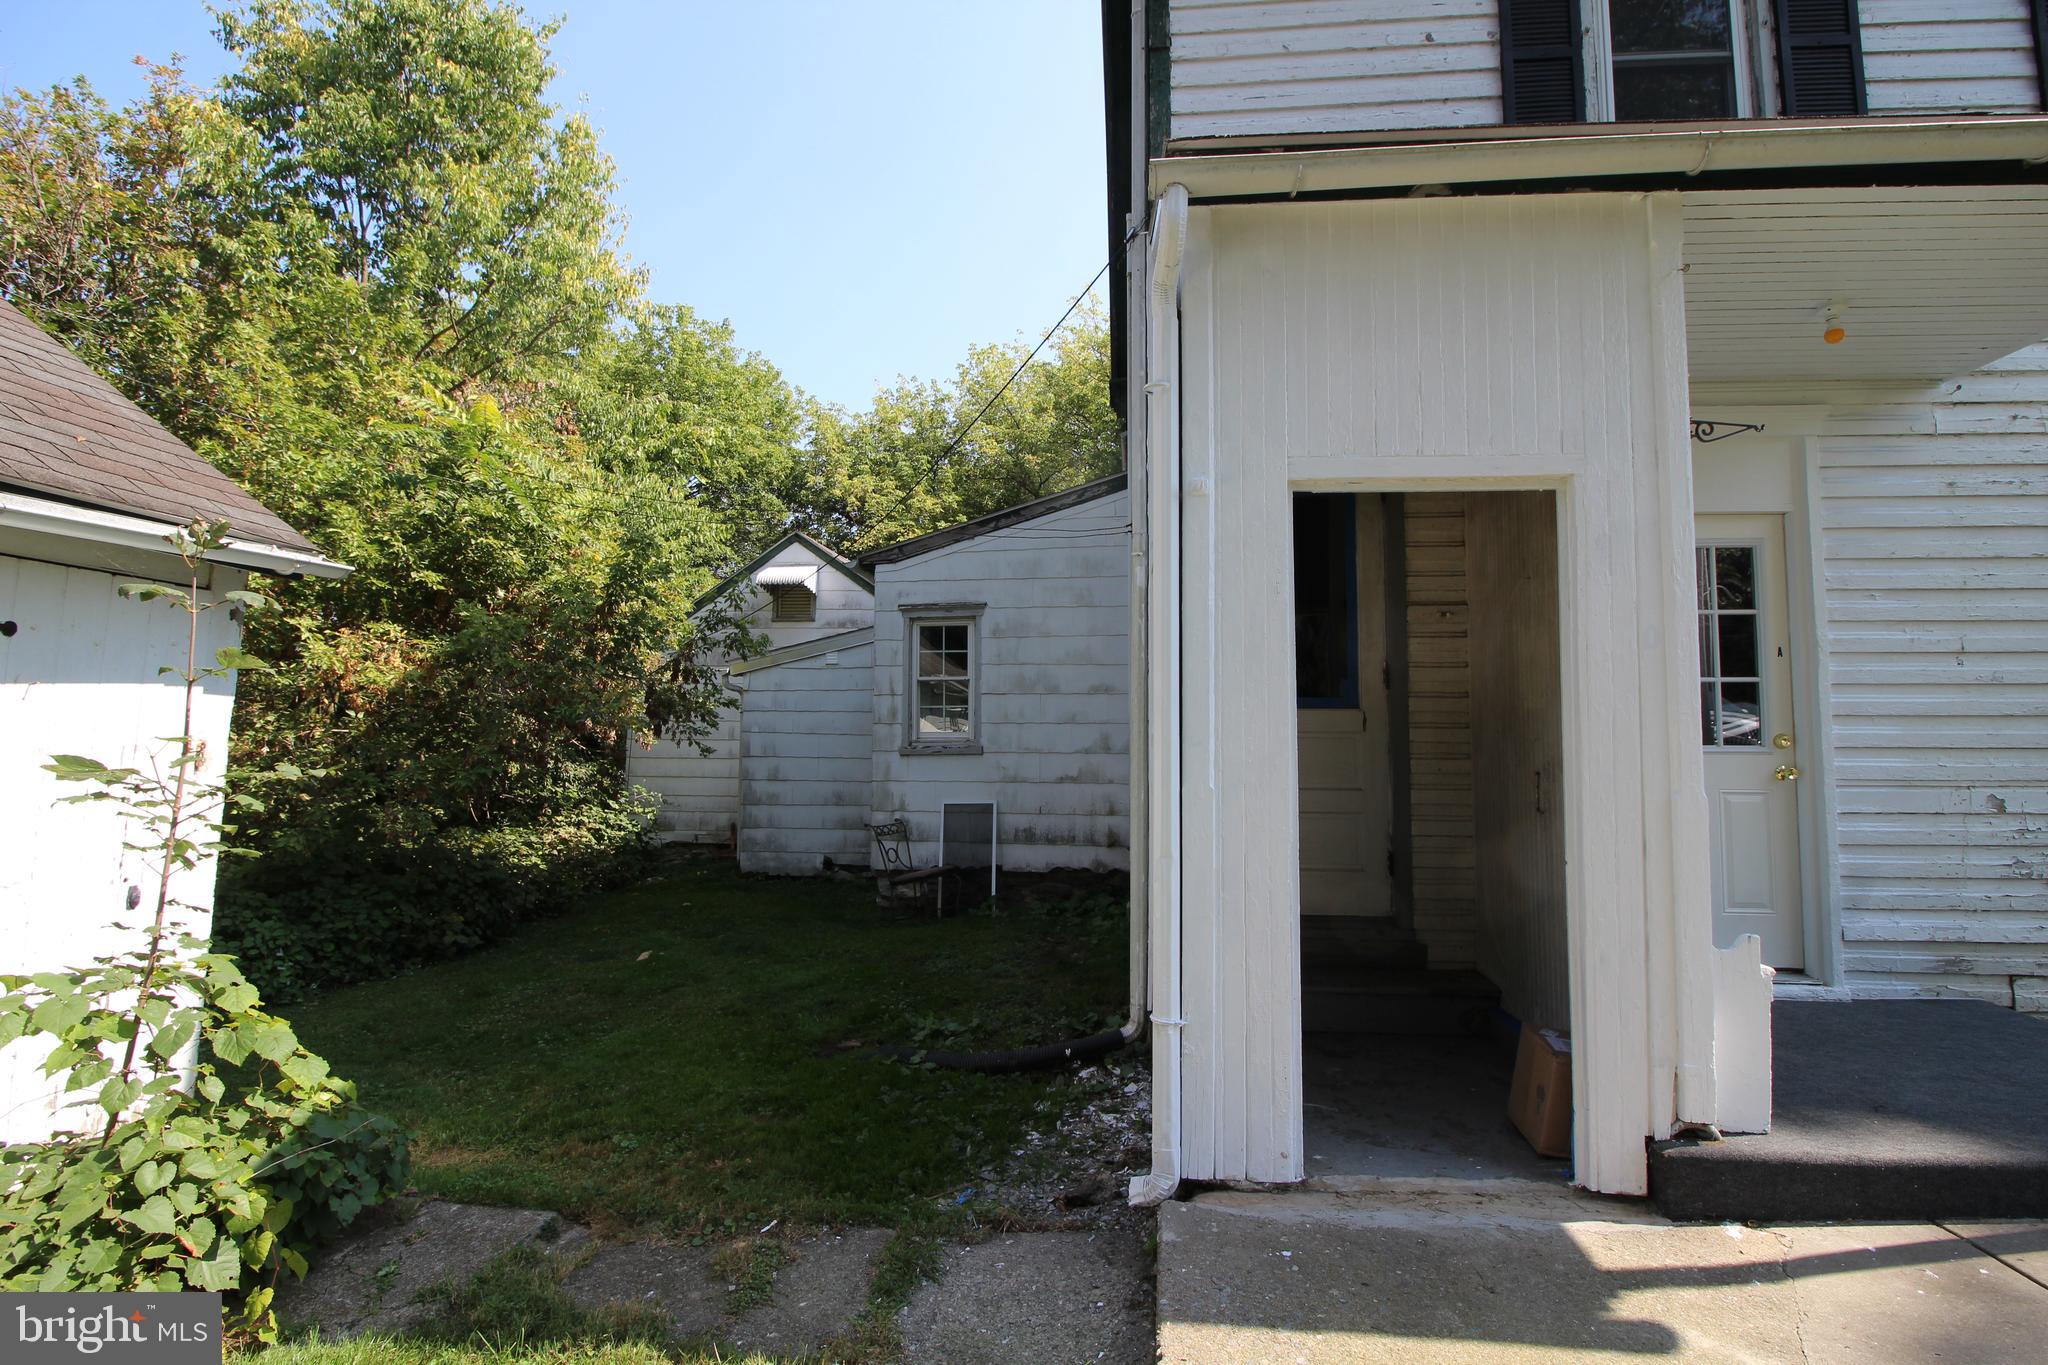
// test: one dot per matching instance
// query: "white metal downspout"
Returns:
(1162, 686)
(1140, 947)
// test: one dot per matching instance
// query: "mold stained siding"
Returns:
(1932, 505)
(700, 792)
(1053, 688)
(1314, 66)
(804, 763)
(1957, 56)
(1275, 67)
(79, 676)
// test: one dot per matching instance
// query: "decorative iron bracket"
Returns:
(1706, 432)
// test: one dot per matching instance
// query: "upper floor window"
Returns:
(1673, 59)
(1572, 61)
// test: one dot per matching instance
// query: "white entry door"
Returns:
(1750, 732)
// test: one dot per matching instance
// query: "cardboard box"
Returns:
(1540, 1100)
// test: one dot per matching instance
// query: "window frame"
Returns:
(915, 617)
(784, 592)
(1712, 613)
(1748, 25)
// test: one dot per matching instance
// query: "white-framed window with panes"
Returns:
(1731, 647)
(942, 693)
(1690, 60)
(1685, 61)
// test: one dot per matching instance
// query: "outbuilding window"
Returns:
(943, 684)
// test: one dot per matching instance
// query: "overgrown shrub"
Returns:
(364, 910)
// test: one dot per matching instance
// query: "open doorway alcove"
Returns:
(1429, 720)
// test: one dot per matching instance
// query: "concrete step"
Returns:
(1352, 942)
(1393, 1001)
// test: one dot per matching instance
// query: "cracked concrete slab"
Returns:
(1536, 1276)
(675, 1280)
(1055, 1297)
(372, 1281)
(817, 1294)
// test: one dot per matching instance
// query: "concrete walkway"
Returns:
(1518, 1271)
(1062, 1296)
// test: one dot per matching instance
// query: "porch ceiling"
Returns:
(1932, 282)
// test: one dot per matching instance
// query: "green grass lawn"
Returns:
(675, 1056)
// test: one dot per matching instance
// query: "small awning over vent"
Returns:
(787, 575)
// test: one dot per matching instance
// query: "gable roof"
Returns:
(66, 433)
(995, 521)
(845, 566)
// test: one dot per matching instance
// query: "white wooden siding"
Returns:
(79, 675)
(1419, 344)
(697, 793)
(1949, 56)
(1440, 728)
(1053, 656)
(843, 602)
(804, 763)
(1244, 67)
(1933, 515)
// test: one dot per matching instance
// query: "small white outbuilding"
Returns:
(794, 592)
(90, 487)
(985, 666)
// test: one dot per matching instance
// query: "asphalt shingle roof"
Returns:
(69, 434)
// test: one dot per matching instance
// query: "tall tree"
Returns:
(419, 134)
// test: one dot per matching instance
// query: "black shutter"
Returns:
(2041, 48)
(1820, 58)
(1542, 67)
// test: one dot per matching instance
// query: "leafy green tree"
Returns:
(929, 454)
(419, 134)
(377, 277)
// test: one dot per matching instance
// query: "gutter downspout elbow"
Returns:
(1162, 684)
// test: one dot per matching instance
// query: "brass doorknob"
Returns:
(1785, 772)
(1781, 741)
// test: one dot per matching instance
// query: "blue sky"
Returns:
(863, 187)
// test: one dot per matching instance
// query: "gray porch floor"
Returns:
(1378, 1106)
(1931, 1109)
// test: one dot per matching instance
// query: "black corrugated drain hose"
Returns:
(1021, 1059)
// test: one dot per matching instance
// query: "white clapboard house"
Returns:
(1590, 469)
(982, 666)
(90, 487)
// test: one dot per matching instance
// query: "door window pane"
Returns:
(1735, 635)
(1742, 717)
(1735, 577)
